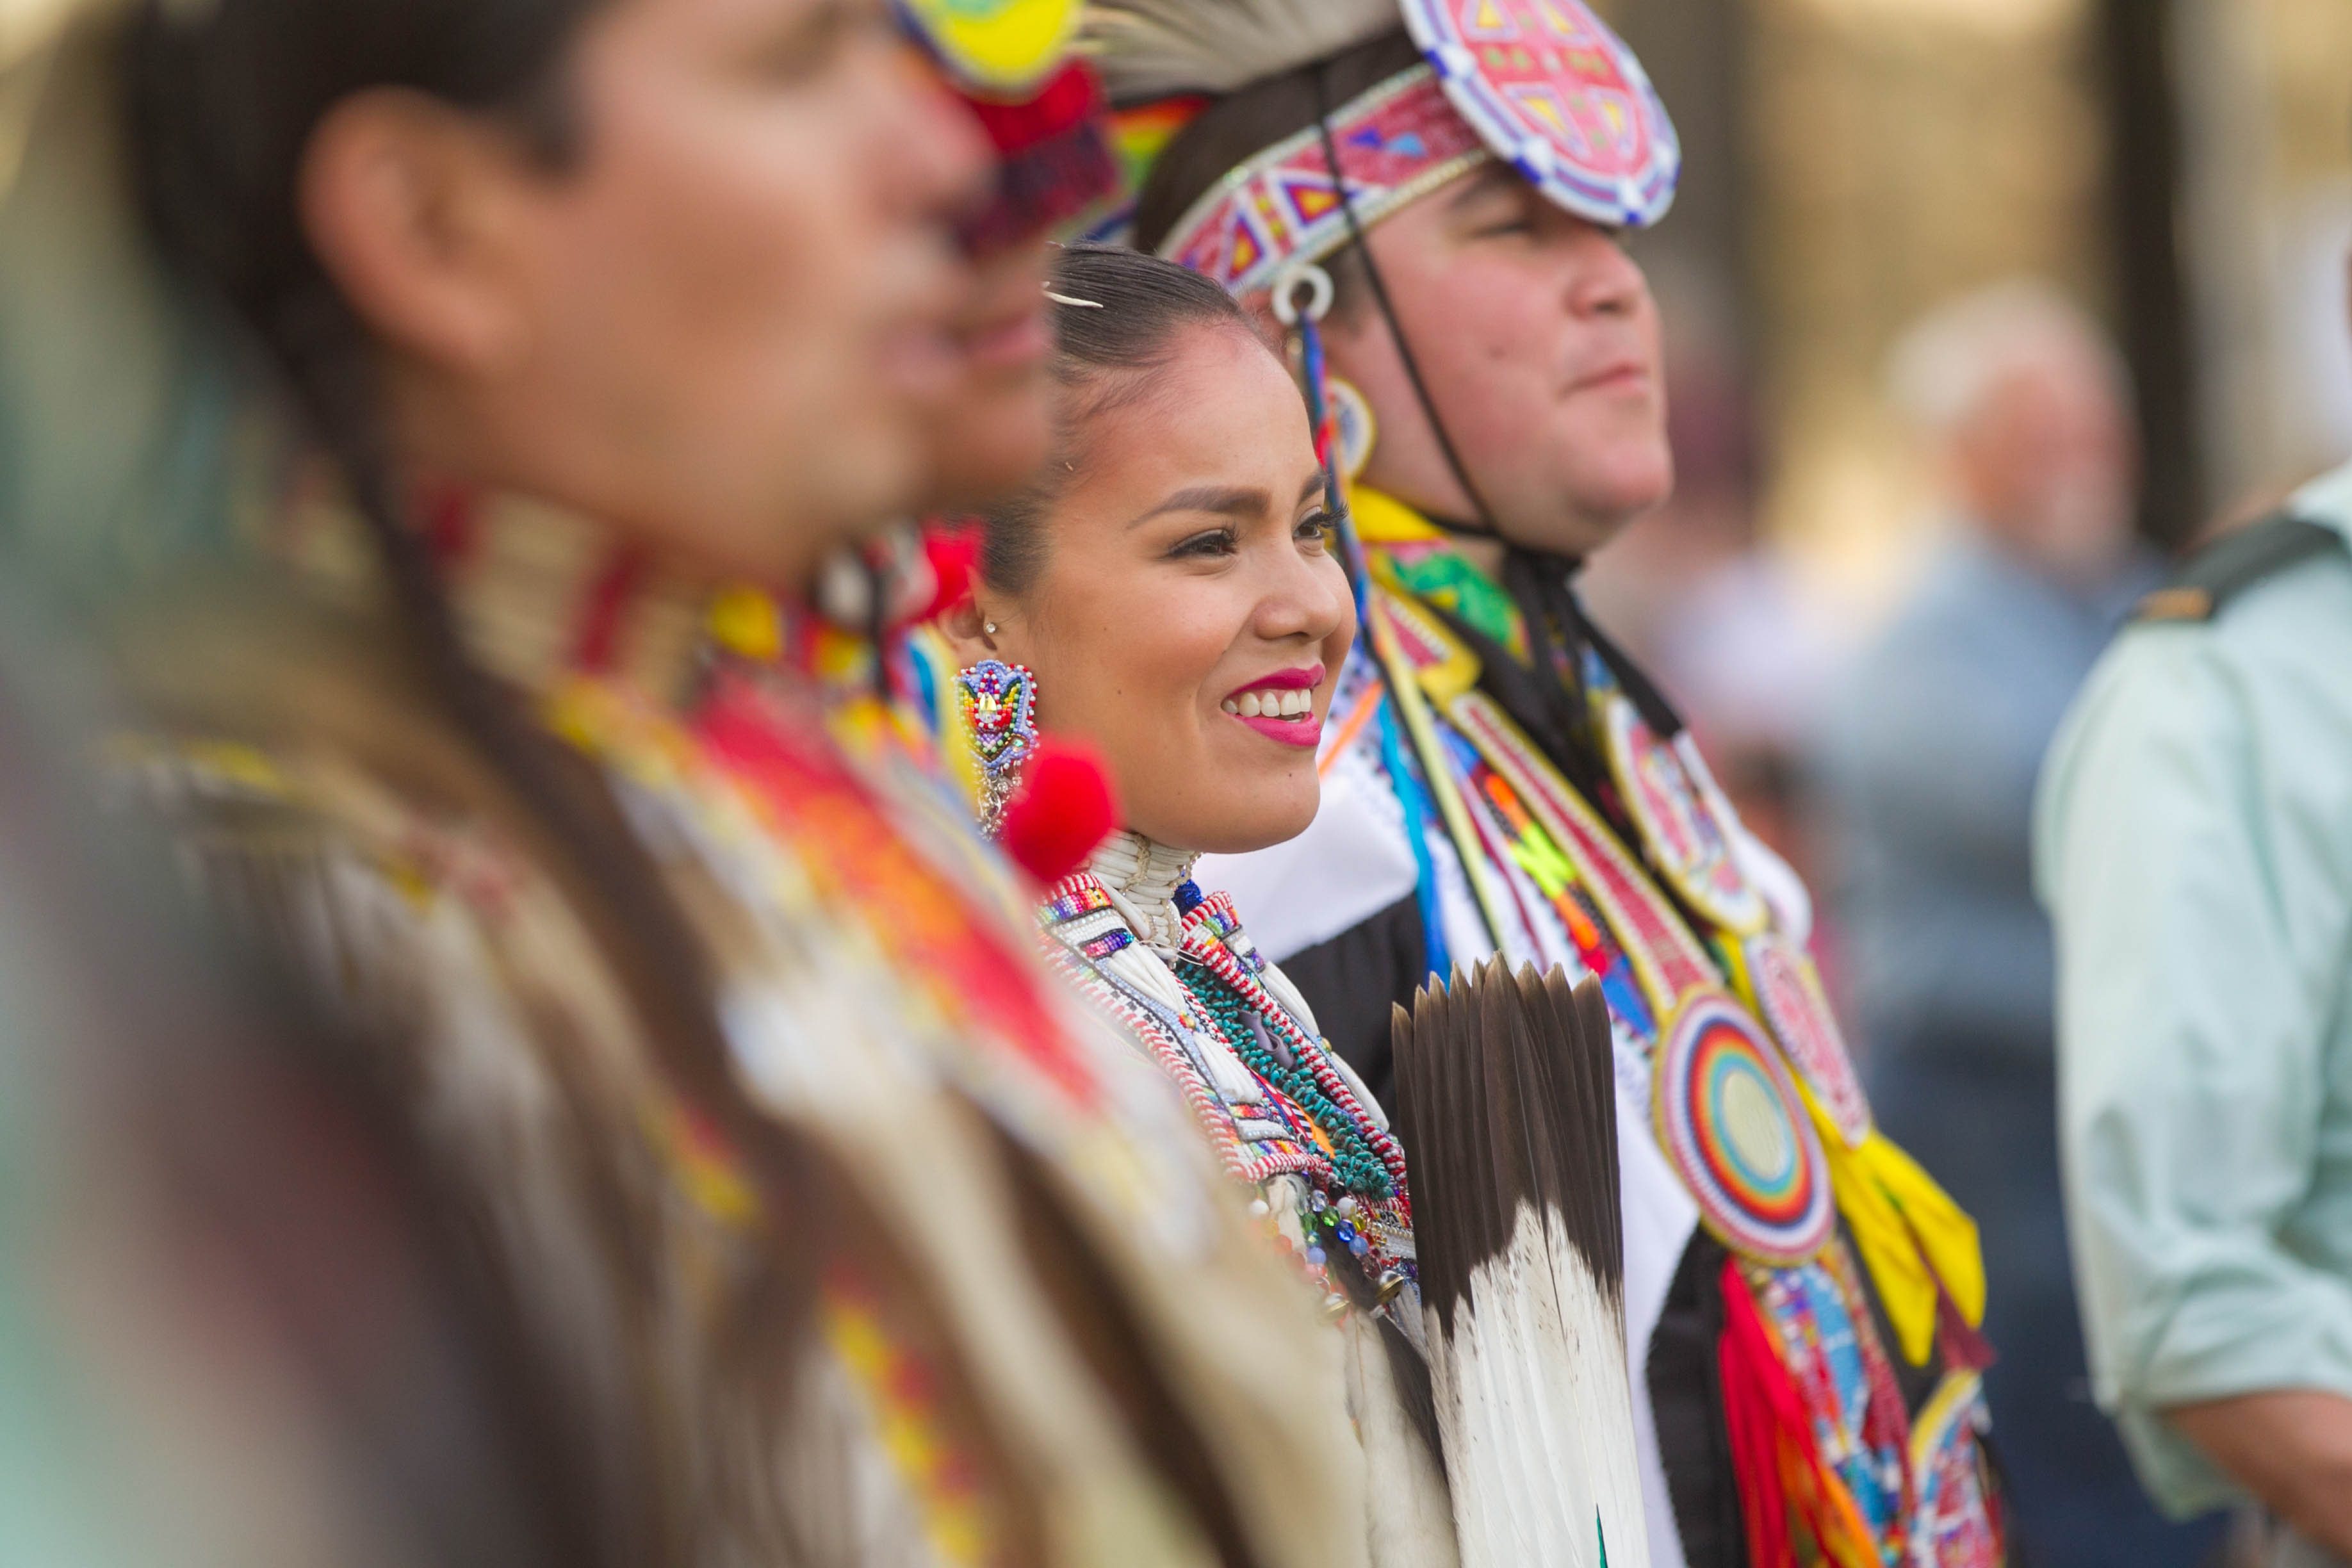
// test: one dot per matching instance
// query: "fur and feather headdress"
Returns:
(1156, 48)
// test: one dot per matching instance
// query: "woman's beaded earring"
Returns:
(999, 702)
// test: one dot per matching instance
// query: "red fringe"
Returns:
(1784, 1485)
(1758, 1405)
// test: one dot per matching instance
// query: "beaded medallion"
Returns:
(1779, 978)
(1729, 1120)
(1551, 89)
(1671, 800)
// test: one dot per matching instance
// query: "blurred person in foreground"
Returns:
(1929, 749)
(239, 1321)
(838, 1234)
(2193, 845)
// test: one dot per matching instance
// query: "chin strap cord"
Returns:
(1544, 585)
(1485, 525)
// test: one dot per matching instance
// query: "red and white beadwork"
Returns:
(1543, 85)
(1787, 990)
(1551, 90)
(1396, 142)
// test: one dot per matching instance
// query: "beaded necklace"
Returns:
(1207, 1007)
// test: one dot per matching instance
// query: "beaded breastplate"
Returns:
(1279, 1108)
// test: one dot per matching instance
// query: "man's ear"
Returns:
(412, 207)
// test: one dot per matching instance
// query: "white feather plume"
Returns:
(1151, 48)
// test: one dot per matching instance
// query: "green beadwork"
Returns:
(1353, 1160)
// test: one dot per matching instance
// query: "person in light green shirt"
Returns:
(2194, 848)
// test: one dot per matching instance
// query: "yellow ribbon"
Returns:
(1910, 1234)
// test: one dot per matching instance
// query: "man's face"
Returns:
(2046, 463)
(991, 433)
(726, 324)
(1539, 340)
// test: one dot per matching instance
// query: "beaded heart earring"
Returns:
(999, 702)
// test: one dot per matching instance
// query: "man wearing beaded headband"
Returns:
(1434, 202)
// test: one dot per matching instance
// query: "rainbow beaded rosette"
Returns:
(1730, 1123)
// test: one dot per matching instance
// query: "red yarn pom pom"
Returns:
(1063, 808)
(953, 553)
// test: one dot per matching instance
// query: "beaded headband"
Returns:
(1543, 85)
(1398, 142)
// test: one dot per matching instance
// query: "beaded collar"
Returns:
(1141, 878)
(538, 594)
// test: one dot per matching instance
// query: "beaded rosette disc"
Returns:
(1729, 1119)
(1787, 990)
(1002, 47)
(1665, 788)
(1549, 88)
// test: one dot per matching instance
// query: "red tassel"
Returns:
(1783, 1481)
(1063, 808)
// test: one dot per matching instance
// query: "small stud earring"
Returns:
(988, 626)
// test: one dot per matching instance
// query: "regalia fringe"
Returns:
(1153, 49)
(1507, 1104)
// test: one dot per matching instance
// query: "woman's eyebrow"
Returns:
(1223, 500)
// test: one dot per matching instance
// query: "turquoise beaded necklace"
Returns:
(1359, 1168)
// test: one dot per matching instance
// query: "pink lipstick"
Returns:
(1281, 706)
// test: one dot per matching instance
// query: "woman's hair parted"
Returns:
(1117, 317)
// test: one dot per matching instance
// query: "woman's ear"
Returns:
(968, 629)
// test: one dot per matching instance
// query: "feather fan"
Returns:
(1154, 48)
(1507, 1107)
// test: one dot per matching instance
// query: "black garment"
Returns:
(1354, 980)
(1686, 1388)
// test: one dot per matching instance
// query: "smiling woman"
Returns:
(1170, 582)
(1172, 596)
(1170, 591)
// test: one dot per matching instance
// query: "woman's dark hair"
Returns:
(1116, 315)
(225, 96)
(1235, 128)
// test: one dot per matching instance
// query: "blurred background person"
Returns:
(1930, 748)
(2193, 844)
